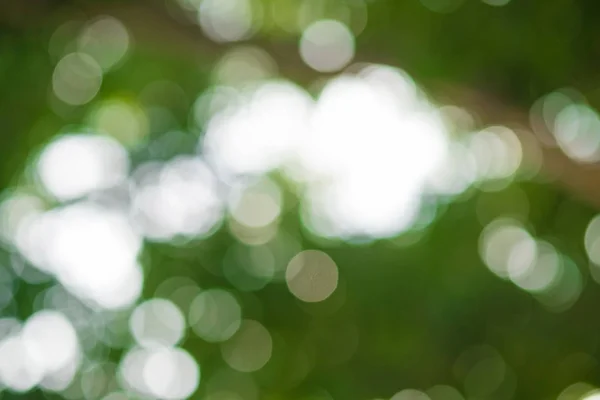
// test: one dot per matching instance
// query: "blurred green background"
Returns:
(299, 199)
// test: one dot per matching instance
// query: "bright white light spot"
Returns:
(74, 165)
(312, 276)
(249, 349)
(497, 152)
(358, 207)
(576, 129)
(44, 352)
(261, 133)
(106, 39)
(410, 394)
(59, 380)
(165, 373)
(375, 144)
(131, 369)
(511, 253)
(124, 293)
(51, 341)
(539, 268)
(553, 104)
(579, 390)
(19, 369)
(178, 198)
(327, 46)
(157, 322)
(397, 87)
(76, 79)
(171, 374)
(498, 243)
(456, 173)
(544, 111)
(226, 20)
(364, 155)
(522, 258)
(215, 315)
(258, 205)
(93, 252)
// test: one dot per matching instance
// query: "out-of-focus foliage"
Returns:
(250, 200)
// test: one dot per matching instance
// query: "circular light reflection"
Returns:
(74, 165)
(226, 20)
(245, 65)
(16, 210)
(164, 372)
(106, 39)
(44, 352)
(576, 131)
(19, 370)
(76, 79)
(497, 152)
(327, 46)
(125, 122)
(258, 134)
(498, 241)
(177, 198)
(157, 322)
(595, 395)
(592, 240)
(579, 390)
(538, 268)
(258, 205)
(312, 276)
(91, 250)
(249, 349)
(375, 185)
(215, 315)
(51, 340)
